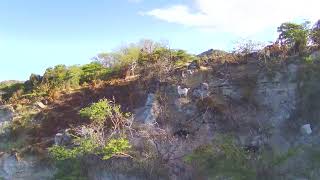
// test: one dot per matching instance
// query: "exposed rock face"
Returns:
(6, 117)
(6, 113)
(25, 169)
(149, 113)
(202, 91)
(63, 139)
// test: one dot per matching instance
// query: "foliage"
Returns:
(98, 112)
(282, 158)
(90, 146)
(94, 71)
(104, 110)
(71, 169)
(115, 146)
(294, 35)
(60, 153)
(55, 77)
(224, 159)
(11, 90)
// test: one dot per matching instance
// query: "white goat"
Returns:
(183, 91)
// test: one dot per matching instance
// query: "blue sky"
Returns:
(37, 34)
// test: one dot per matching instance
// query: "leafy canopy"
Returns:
(294, 35)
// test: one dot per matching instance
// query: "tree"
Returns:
(315, 33)
(94, 71)
(55, 76)
(294, 35)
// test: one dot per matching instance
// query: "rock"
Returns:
(315, 55)
(41, 105)
(6, 113)
(201, 91)
(6, 117)
(28, 168)
(149, 113)
(193, 65)
(306, 129)
(63, 139)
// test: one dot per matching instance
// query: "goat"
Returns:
(183, 91)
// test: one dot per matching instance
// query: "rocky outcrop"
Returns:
(63, 139)
(6, 117)
(149, 113)
(6, 113)
(28, 168)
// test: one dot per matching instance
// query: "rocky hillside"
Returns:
(219, 117)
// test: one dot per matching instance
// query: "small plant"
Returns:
(115, 147)
(60, 153)
(97, 112)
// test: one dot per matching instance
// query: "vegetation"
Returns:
(223, 160)
(100, 143)
(295, 36)
(106, 129)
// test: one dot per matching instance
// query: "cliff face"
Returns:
(260, 106)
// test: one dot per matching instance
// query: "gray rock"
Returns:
(6, 113)
(315, 55)
(63, 139)
(25, 169)
(6, 117)
(193, 65)
(306, 129)
(202, 91)
(149, 113)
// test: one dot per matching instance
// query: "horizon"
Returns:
(37, 35)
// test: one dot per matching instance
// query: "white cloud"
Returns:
(238, 16)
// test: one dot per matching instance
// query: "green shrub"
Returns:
(94, 71)
(115, 146)
(60, 153)
(71, 169)
(97, 112)
(223, 160)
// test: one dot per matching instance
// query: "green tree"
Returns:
(94, 71)
(295, 36)
(55, 77)
(73, 76)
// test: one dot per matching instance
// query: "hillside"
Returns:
(150, 112)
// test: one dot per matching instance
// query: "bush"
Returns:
(223, 160)
(97, 112)
(295, 36)
(94, 71)
(114, 147)
(104, 110)
(60, 153)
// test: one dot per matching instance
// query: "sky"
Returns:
(37, 34)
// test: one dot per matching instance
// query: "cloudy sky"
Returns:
(37, 34)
